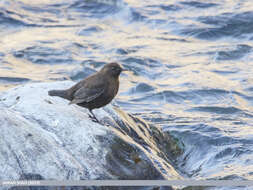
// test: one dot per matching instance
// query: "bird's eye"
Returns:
(114, 68)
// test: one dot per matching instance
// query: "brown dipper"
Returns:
(94, 91)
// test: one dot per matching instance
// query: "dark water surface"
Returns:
(190, 66)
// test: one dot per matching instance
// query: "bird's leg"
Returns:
(93, 117)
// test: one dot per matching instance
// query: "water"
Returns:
(190, 66)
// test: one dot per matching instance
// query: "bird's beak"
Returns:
(123, 69)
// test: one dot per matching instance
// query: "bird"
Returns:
(95, 91)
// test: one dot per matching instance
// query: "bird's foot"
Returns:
(93, 118)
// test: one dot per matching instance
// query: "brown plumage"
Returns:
(94, 91)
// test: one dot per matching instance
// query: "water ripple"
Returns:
(44, 55)
(240, 51)
(14, 79)
(95, 9)
(90, 30)
(198, 4)
(216, 109)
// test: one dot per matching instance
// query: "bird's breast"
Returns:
(114, 87)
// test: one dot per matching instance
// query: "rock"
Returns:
(44, 136)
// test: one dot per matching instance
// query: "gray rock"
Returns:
(44, 136)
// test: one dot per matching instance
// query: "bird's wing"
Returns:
(85, 94)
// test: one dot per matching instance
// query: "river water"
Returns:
(190, 66)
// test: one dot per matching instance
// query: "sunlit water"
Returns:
(190, 66)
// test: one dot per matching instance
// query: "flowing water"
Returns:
(190, 66)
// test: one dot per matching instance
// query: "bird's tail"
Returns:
(60, 93)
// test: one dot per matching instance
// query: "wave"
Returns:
(224, 25)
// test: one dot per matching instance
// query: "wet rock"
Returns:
(45, 138)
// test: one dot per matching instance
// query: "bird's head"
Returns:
(112, 69)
